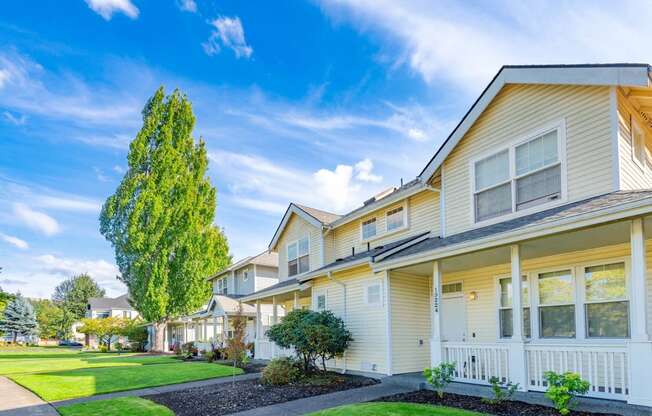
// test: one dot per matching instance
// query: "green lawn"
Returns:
(123, 406)
(393, 409)
(59, 374)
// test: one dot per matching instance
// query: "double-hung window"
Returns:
(298, 256)
(556, 304)
(369, 228)
(221, 286)
(506, 316)
(606, 305)
(395, 219)
(519, 177)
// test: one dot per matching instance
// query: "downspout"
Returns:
(331, 278)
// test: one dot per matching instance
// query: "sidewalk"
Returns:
(18, 401)
(326, 401)
(155, 390)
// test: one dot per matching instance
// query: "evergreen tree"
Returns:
(18, 318)
(160, 219)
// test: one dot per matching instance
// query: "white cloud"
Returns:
(100, 270)
(4, 77)
(119, 169)
(228, 33)
(258, 205)
(36, 220)
(416, 134)
(466, 44)
(99, 174)
(46, 198)
(363, 169)
(18, 121)
(106, 8)
(187, 5)
(15, 241)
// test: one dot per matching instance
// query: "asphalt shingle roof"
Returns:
(324, 217)
(279, 285)
(564, 211)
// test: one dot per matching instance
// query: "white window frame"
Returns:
(381, 229)
(453, 294)
(498, 306)
(635, 127)
(245, 273)
(366, 286)
(315, 296)
(287, 256)
(362, 223)
(405, 219)
(560, 127)
(221, 286)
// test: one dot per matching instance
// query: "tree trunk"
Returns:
(15, 337)
(159, 337)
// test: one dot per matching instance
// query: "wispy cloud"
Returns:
(14, 241)
(228, 33)
(106, 8)
(12, 282)
(187, 5)
(36, 220)
(15, 120)
(100, 269)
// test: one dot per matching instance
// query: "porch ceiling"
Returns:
(584, 239)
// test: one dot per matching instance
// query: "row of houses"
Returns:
(521, 247)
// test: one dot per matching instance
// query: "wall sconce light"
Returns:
(473, 296)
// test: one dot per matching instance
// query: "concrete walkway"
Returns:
(326, 401)
(156, 390)
(18, 401)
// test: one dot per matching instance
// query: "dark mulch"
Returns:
(223, 399)
(252, 367)
(507, 408)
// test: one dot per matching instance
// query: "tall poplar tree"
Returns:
(160, 219)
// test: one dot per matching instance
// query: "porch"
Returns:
(574, 301)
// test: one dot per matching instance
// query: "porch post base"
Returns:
(436, 352)
(640, 367)
(517, 365)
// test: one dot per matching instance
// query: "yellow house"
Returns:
(520, 248)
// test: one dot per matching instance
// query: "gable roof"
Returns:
(266, 258)
(315, 217)
(635, 75)
(121, 302)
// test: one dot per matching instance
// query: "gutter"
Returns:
(343, 285)
(632, 209)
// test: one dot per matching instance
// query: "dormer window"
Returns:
(395, 219)
(298, 256)
(525, 175)
(369, 228)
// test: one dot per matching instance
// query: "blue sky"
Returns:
(321, 102)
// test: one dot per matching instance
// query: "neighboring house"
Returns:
(118, 307)
(213, 323)
(520, 248)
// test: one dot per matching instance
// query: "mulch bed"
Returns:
(226, 398)
(507, 408)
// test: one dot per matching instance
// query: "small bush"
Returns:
(440, 376)
(119, 346)
(562, 389)
(281, 371)
(501, 391)
(104, 348)
(188, 350)
(210, 356)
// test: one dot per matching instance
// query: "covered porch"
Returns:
(573, 301)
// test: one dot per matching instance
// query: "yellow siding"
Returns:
(520, 109)
(296, 229)
(631, 174)
(367, 324)
(423, 215)
(410, 300)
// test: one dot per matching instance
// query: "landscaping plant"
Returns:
(18, 318)
(440, 376)
(281, 371)
(501, 391)
(562, 389)
(236, 347)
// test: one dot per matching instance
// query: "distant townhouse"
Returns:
(520, 248)
(118, 307)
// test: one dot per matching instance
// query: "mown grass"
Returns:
(393, 409)
(123, 406)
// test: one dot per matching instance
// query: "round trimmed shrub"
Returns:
(281, 371)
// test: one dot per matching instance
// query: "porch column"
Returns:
(517, 359)
(274, 320)
(214, 328)
(166, 344)
(258, 318)
(295, 305)
(185, 332)
(436, 352)
(640, 347)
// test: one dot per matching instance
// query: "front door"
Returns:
(453, 319)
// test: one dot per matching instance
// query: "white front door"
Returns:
(453, 319)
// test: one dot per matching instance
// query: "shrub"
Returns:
(104, 348)
(562, 389)
(119, 346)
(210, 356)
(440, 376)
(312, 335)
(236, 347)
(281, 371)
(501, 391)
(188, 350)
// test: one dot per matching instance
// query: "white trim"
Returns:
(366, 221)
(635, 127)
(388, 322)
(401, 247)
(365, 287)
(615, 137)
(384, 233)
(442, 204)
(510, 147)
(287, 257)
(404, 210)
(498, 306)
(292, 209)
(626, 75)
(315, 294)
(452, 294)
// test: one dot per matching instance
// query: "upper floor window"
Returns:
(638, 144)
(221, 286)
(245, 275)
(395, 219)
(298, 256)
(368, 228)
(519, 177)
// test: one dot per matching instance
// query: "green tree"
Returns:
(104, 328)
(49, 316)
(160, 219)
(5, 298)
(18, 318)
(72, 296)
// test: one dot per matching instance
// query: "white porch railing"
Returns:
(477, 363)
(266, 350)
(605, 367)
